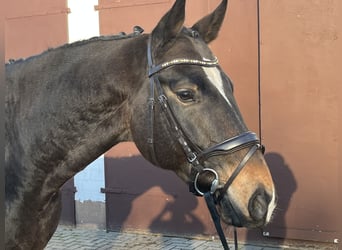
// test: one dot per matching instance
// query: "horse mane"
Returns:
(137, 30)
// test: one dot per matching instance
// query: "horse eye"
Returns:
(186, 95)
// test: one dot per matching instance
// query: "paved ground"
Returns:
(67, 238)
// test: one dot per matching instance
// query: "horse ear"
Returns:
(170, 25)
(209, 26)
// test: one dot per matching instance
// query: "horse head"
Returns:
(192, 124)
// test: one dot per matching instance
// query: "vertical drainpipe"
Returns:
(83, 23)
(259, 70)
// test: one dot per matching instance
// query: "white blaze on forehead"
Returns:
(214, 76)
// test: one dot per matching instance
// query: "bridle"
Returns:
(194, 154)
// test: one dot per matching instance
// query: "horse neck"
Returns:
(75, 108)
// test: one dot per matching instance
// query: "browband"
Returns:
(182, 61)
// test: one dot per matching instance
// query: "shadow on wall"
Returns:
(140, 196)
(286, 185)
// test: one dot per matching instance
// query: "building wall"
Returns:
(34, 27)
(294, 105)
(300, 88)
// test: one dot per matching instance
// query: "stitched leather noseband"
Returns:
(194, 154)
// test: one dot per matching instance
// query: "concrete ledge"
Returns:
(90, 214)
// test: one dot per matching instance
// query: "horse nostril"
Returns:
(258, 205)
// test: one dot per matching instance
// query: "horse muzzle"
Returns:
(257, 213)
(241, 206)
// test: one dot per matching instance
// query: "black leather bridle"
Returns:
(194, 154)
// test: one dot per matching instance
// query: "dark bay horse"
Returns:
(165, 91)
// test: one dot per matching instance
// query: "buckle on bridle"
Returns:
(163, 100)
(261, 147)
(192, 157)
(214, 183)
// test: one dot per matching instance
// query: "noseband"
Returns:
(194, 154)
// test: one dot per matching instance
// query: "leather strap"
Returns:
(244, 140)
(237, 171)
(216, 219)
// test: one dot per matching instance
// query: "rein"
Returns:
(194, 154)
